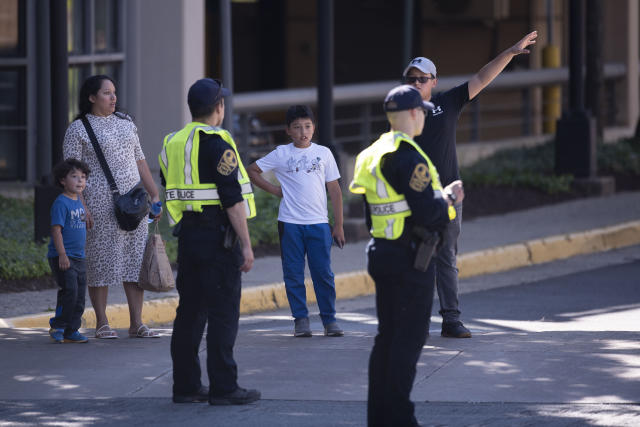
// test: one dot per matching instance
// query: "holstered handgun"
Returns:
(427, 241)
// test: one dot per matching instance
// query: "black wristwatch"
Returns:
(452, 197)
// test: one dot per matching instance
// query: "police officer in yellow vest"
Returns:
(209, 197)
(406, 207)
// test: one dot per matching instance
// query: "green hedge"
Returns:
(520, 167)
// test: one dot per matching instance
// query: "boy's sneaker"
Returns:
(57, 335)
(239, 396)
(301, 327)
(76, 337)
(333, 330)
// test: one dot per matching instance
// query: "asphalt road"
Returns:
(554, 344)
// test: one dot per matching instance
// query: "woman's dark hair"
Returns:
(91, 86)
(62, 169)
(298, 112)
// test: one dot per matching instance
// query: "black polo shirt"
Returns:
(438, 138)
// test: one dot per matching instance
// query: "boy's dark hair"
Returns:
(298, 112)
(62, 169)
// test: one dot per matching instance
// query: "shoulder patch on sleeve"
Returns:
(420, 178)
(228, 162)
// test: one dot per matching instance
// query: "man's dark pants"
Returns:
(404, 297)
(447, 269)
(72, 288)
(208, 284)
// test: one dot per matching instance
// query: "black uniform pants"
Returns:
(208, 284)
(404, 297)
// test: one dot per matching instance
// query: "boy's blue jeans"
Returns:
(72, 287)
(314, 241)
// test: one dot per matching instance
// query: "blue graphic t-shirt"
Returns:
(69, 214)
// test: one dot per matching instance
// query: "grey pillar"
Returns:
(325, 76)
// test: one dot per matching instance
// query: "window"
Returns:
(13, 65)
(94, 44)
(12, 38)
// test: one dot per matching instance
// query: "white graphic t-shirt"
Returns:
(302, 173)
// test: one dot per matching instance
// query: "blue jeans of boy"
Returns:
(314, 241)
(72, 287)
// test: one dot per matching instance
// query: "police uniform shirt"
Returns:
(438, 139)
(407, 172)
(216, 165)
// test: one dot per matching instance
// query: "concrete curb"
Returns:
(359, 283)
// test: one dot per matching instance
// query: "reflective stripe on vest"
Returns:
(388, 209)
(179, 164)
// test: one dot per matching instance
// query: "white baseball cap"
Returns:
(423, 64)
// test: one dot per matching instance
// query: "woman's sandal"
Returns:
(104, 332)
(144, 332)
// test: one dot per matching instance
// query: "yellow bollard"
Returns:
(551, 95)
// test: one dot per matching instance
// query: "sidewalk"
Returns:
(487, 245)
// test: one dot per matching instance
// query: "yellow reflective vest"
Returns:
(388, 209)
(179, 164)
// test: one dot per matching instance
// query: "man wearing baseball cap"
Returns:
(405, 209)
(209, 198)
(439, 143)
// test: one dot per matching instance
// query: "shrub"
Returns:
(520, 167)
(20, 256)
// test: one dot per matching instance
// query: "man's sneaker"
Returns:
(76, 337)
(202, 395)
(333, 330)
(301, 327)
(240, 396)
(455, 330)
(57, 335)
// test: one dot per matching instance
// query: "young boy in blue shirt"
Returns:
(303, 169)
(66, 251)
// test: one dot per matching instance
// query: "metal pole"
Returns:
(45, 194)
(59, 77)
(325, 76)
(43, 61)
(407, 45)
(227, 60)
(595, 65)
(576, 55)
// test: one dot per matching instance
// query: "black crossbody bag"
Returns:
(129, 208)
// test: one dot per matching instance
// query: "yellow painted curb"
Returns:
(359, 283)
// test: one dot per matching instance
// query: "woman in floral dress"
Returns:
(114, 256)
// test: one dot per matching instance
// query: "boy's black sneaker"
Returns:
(202, 395)
(455, 330)
(239, 396)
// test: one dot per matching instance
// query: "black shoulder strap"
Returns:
(100, 155)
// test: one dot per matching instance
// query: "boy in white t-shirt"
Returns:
(303, 168)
